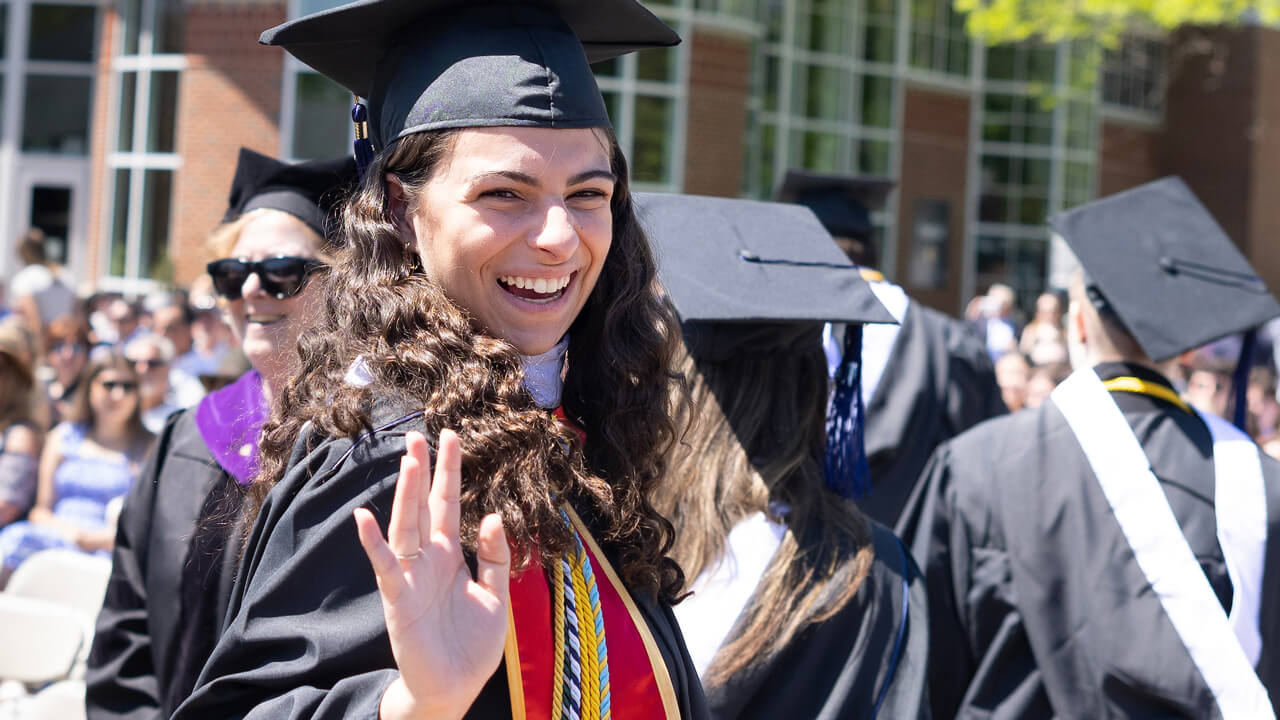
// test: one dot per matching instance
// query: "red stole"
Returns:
(640, 686)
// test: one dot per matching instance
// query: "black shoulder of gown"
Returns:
(870, 660)
(170, 580)
(305, 635)
(1036, 601)
(938, 383)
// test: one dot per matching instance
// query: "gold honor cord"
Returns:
(1143, 387)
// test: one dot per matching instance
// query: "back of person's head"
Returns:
(753, 442)
(31, 248)
(1105, 336)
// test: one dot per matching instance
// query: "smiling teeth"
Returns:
(538, 285)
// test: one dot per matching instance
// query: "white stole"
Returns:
(1223, 650)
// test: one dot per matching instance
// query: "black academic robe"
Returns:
(304, 633)
(1038, 607)
(170, 580)
(938, 383)
(867, 661)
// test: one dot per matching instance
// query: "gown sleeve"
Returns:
(983, 663)
(120, 679)
(304, 634)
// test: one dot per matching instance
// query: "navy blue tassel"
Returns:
(847, 473)
(1240, 379)
(363, 148)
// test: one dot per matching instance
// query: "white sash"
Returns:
(1142, 510)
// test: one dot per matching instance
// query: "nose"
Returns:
(558, 236)
(252, 285)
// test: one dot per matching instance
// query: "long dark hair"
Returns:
(753, 443)
(518, 459)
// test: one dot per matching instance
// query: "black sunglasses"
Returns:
(281, 277)
(124, 385)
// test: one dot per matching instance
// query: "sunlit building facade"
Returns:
(121, 123)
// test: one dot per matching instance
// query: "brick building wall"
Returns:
(1129, 156)
(97, 234)
(719, 82)
(1208, 119)
(1263, 241)
(935, 155)
(229, 98)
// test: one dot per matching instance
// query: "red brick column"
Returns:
(229, 98)
(719, 81)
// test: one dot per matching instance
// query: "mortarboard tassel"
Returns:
(363, 148)
(1240, 379)
(847, 472)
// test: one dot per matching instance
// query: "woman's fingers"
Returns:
(493, 557)
(381, 557)
(403, 533)
(446, 487)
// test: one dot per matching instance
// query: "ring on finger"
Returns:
(411, 556)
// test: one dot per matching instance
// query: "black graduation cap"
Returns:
(308, 190)
(842, 202)
(745, 261)
(435, 64)
(752, 277)
(1155, 258)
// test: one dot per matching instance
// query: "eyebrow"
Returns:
(526, 179)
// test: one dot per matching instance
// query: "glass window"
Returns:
(131, 13)
(169, 27)
(938, 39)
(821, 151)
(877, 101)
(818, 92)
(163, 107)
(873, 157)
(1133, 75)
(62, 32)
(119, 224)
(57, 114)
(321, 118)
(608, 68)
(651, 151)
(1019, 262)
(827, 26)
(128, 96)
(657, 64)
(1079, 125)
(879, 30)
(157, 191)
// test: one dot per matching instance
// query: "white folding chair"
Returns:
(60, 701)
(42, 641)
(67, 577)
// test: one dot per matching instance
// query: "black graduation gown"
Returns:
(170, 580)
(938, 383)
(840, 668)
(1037, 604)
(304, 633)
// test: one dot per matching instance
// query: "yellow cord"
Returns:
(1142, 387)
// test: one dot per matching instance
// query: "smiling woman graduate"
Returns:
(492, 241)
(171, 567)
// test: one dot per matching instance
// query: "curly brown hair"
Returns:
(518, 459)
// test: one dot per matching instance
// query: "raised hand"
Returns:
(447, 631)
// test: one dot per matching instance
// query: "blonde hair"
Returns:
(223, 239)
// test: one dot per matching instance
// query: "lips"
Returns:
(264, 318)
(538, 290)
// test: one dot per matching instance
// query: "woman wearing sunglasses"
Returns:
(494, 299)
(172, 566)
(88, 461)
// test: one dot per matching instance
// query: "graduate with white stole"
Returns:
(1111, 553)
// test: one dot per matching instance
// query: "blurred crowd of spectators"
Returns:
(1031, 359)
(85, 383)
